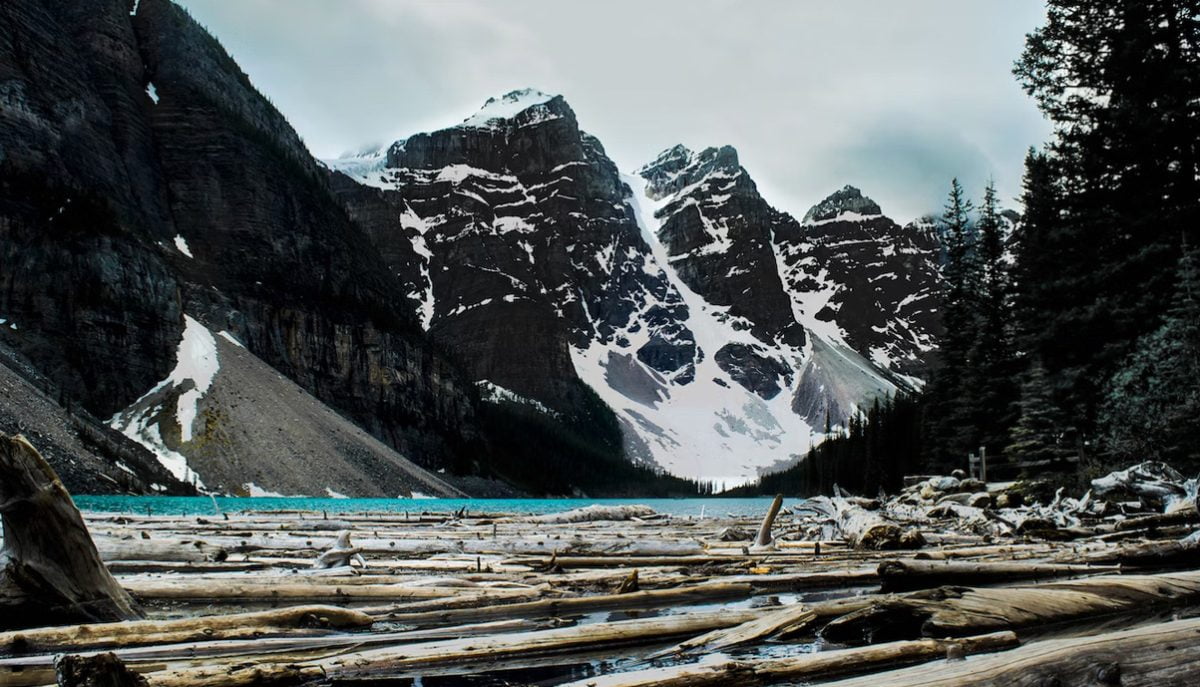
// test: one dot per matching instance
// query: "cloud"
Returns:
(896, 97)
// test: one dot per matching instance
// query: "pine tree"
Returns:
(990, 392)
(1152, 404)
(1038, 433)
(1036, 255)
(1120, 79)
(948, 417)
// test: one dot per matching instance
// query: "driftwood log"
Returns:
(206, 628)
(1154, 656)
(494, 651)
(909, 575)
(341, 553)
(50, 571)
(859, 527)
(803, 667)
(960, 611)
(594, 513)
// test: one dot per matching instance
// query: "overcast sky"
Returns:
(893, 97)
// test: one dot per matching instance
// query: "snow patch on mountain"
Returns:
(196, 366)
(507, 106)
(708, 427)
(181, 245)
(410, 220)
(494, 393)
(367, 168)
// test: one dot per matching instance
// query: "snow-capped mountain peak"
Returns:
(678, 168)
(719, 330)
(848, 199)
(507, 106)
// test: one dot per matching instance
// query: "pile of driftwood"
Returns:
(935, 586)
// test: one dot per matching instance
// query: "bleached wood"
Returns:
(1154, 656)
(50, 571)
(803, 667)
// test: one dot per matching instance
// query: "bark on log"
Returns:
(1154, 656)
(50, 571)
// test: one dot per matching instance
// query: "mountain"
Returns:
(149, 193)
(190, 300)
(677, 294)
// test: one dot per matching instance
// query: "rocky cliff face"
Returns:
(717, 230)
(176, 262)
(865, 282)
(673, 294)
(145, 179)
(517, 244)
(840, 308)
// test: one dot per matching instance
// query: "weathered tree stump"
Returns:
(341, 553)
(764, 531)
(101, 670)
(50, 571)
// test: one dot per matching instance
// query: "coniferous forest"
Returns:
(1072, 335)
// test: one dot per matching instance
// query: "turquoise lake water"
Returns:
(203, 505)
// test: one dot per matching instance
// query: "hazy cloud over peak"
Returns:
(895, 98)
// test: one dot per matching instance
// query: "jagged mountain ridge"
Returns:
(153, 199)
(674, 292)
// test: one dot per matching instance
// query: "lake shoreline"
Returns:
(903, 588)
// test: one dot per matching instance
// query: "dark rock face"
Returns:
(847, 200)
(717, 230)
(77, 170)
(673, 317)
(871, 283)
(524, 247)
(514, 229)
(759, 373)
(299, 283)
(144, 177)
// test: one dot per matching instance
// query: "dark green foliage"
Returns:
(1039, 434)
(990, 390)
(1106, 208)
(1152, 405)
(873, 452)
(1039, 248)
(949, 419)
(577, 455)
(1121, 81)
